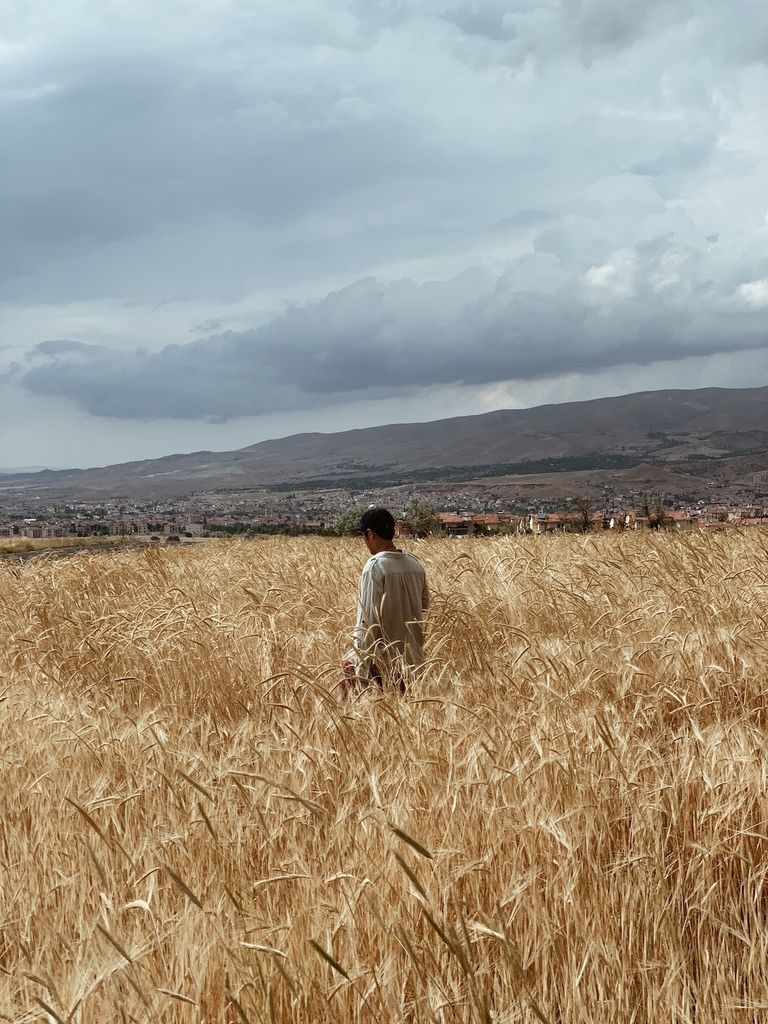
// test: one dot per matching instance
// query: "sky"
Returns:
(223, 221)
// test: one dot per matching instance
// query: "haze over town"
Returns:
(223, 223)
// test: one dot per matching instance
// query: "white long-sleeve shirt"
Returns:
(393, 599)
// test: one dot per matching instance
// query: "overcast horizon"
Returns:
(220, 225)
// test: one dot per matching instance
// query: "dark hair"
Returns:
(380, 521)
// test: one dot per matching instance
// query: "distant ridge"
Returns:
(692, 434)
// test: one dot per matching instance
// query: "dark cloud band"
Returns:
(373, 339)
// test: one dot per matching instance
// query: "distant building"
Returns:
(456, 524)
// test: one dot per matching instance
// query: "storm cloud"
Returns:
(230, 211)
(655, 302)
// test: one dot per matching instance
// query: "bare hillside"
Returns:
(682, 430)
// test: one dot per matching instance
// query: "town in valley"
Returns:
(478, 508)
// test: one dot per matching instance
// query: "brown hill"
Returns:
(682, 431)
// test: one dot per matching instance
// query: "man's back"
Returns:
(393, 599)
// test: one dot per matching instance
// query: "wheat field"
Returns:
(565, 819)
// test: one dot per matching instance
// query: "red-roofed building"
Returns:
(456, 524)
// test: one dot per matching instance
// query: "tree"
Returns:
(658, 514)
(583, 509)
(651, 508)
(643, 507)
(348, 522)
(420, 517)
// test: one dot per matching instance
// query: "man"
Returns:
(388, 635)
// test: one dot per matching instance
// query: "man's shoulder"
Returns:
(402, 562)
(413, 562)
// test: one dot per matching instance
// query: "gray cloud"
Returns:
(591, 30)
(141, 144)
(578, 156)
(241, 148)
(653, 302)
(62, 347)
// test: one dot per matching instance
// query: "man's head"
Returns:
(377, 527)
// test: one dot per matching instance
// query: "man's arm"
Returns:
(368, 607)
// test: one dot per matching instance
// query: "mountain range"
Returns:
(714, 433)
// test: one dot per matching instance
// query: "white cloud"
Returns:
(755, 293)
(615, 278)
